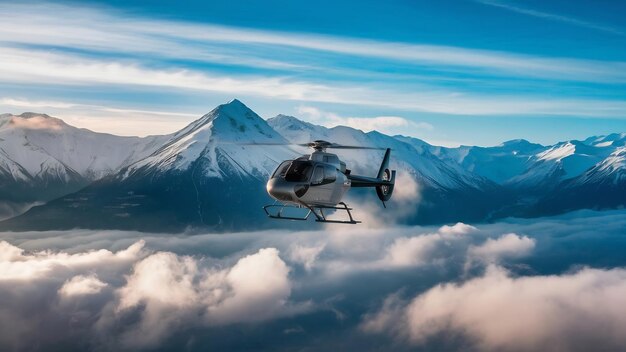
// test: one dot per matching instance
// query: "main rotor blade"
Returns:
(313, 145)
(338, 146)
(266, 143)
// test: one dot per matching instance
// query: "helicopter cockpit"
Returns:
(294, 170)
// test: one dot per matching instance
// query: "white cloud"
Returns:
(117, 120)
(457, 229)
(385, 124)
(428, 248)
(412, 251)
(9, 253)
(21, 65)
(305, 255)
(24, 103)
(171, 291)
(173, 276)
(499, 312)
(260, 286)
(152, 295)
(31, 104)
(16, 264)
(37, 123)
(81, 285)
(506, 246)
(404, 202)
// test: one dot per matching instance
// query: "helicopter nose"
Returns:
(280, 189)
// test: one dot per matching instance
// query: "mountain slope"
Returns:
(222, 139)
(206, 175)
(42, 158)
(603, 186)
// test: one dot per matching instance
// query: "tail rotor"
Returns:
(387, 178)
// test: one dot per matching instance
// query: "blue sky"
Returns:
(449, 72)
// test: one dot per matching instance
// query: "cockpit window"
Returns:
(330, 174)
(299, 171)
(281, 170)
(318, 176)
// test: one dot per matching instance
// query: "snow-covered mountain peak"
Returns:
(520, 145)
(420, 145)
(558, 151)
(38, 146)
(563, 161)
(29, 114)
(610, 170)
(514, 142)
(298, 131)
(220, 139)
(616, 161)
(289, 122)
(230, 122)
(32, 121)
(613, 139)
(236, 109)
(236, 103)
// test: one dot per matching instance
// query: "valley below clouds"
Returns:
(514, 285)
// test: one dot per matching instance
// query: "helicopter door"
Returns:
(321, 188)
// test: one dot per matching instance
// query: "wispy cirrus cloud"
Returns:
(122, 121)
(553, 17)
(385, 124)
(24, 66)
(116, 32)
(34, 104)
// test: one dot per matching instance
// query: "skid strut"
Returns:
(317, 210)
(279, 213)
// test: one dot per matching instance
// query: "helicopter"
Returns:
(318, 182)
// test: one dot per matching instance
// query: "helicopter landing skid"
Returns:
(317, 210)
(279, 214)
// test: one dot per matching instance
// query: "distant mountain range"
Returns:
(208, 175)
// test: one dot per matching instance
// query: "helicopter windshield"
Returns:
(281, 170)
(299, 171)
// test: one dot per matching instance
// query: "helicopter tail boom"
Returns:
(384, 181)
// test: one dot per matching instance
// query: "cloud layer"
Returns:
(455, 287)
(497, 312)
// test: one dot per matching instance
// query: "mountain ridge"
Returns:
(43, 158)
(209, 173)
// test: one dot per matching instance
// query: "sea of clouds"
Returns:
(517, 285)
